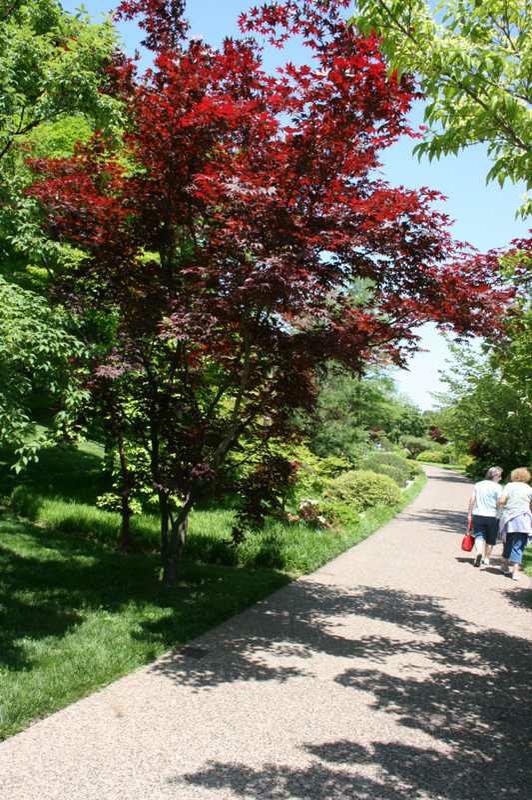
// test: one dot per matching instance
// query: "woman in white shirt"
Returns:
(483, 515)
(516, 519)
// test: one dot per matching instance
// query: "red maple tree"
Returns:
(241, 236)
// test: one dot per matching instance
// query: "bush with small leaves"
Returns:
(393, 465)
(437, 456)
(362, 489)
(340, 515)
(313, 472)
(416, 444)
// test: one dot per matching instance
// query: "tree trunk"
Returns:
(176, 540)
(165, 530)
(126, 540)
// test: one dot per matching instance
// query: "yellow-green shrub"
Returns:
(363, 489)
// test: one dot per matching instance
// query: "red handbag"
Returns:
(468, 542)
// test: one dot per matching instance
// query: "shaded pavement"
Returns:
(396, 671)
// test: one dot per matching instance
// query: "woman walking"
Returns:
(516, 519)
(483, 515)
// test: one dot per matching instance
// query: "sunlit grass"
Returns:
(75, 615)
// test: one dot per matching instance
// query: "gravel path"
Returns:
(396, 671)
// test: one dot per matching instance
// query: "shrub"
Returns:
(393, 465)
(417, 444)
(437, 456)
(314, 473)
(400, 476)
(339, 514)
(362, 489)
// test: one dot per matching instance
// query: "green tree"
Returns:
(52, 89)
(485, 416)
(52, 73)
(488, 407)
(352, 410)
(37, 354)
(473, 59)
(51, 64)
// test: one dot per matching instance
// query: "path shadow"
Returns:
(467, 714)
(450, 477)
(274, 782)
(447, 521)
(495, 568)
(519, 597)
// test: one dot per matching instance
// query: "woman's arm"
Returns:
(503, 499)
(471, 505)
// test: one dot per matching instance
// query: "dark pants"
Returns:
(486, 527)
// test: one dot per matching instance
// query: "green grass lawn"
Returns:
(527, 561)
(76, 614)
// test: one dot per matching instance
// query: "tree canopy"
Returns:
(473, 59)
(488, 405)
(53, 89)
(51, 64)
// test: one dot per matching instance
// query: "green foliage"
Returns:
(51, 64)
(436, 456)
(391, 464)
(474, 60)
(52, 71)
(37, 353)
(51, 74)
(398, 475)
(314, 473)
(488, 402)
(416, 444)
(363, 489)
(353, 410)
(339, 514)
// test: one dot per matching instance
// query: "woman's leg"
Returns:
(507, 549)
(519, 541)
(491, 540)
(478, 552)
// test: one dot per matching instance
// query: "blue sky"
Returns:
(484, 214)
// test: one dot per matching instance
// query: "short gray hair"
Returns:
(493, 472)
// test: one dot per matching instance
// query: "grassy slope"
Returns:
(75, 614)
